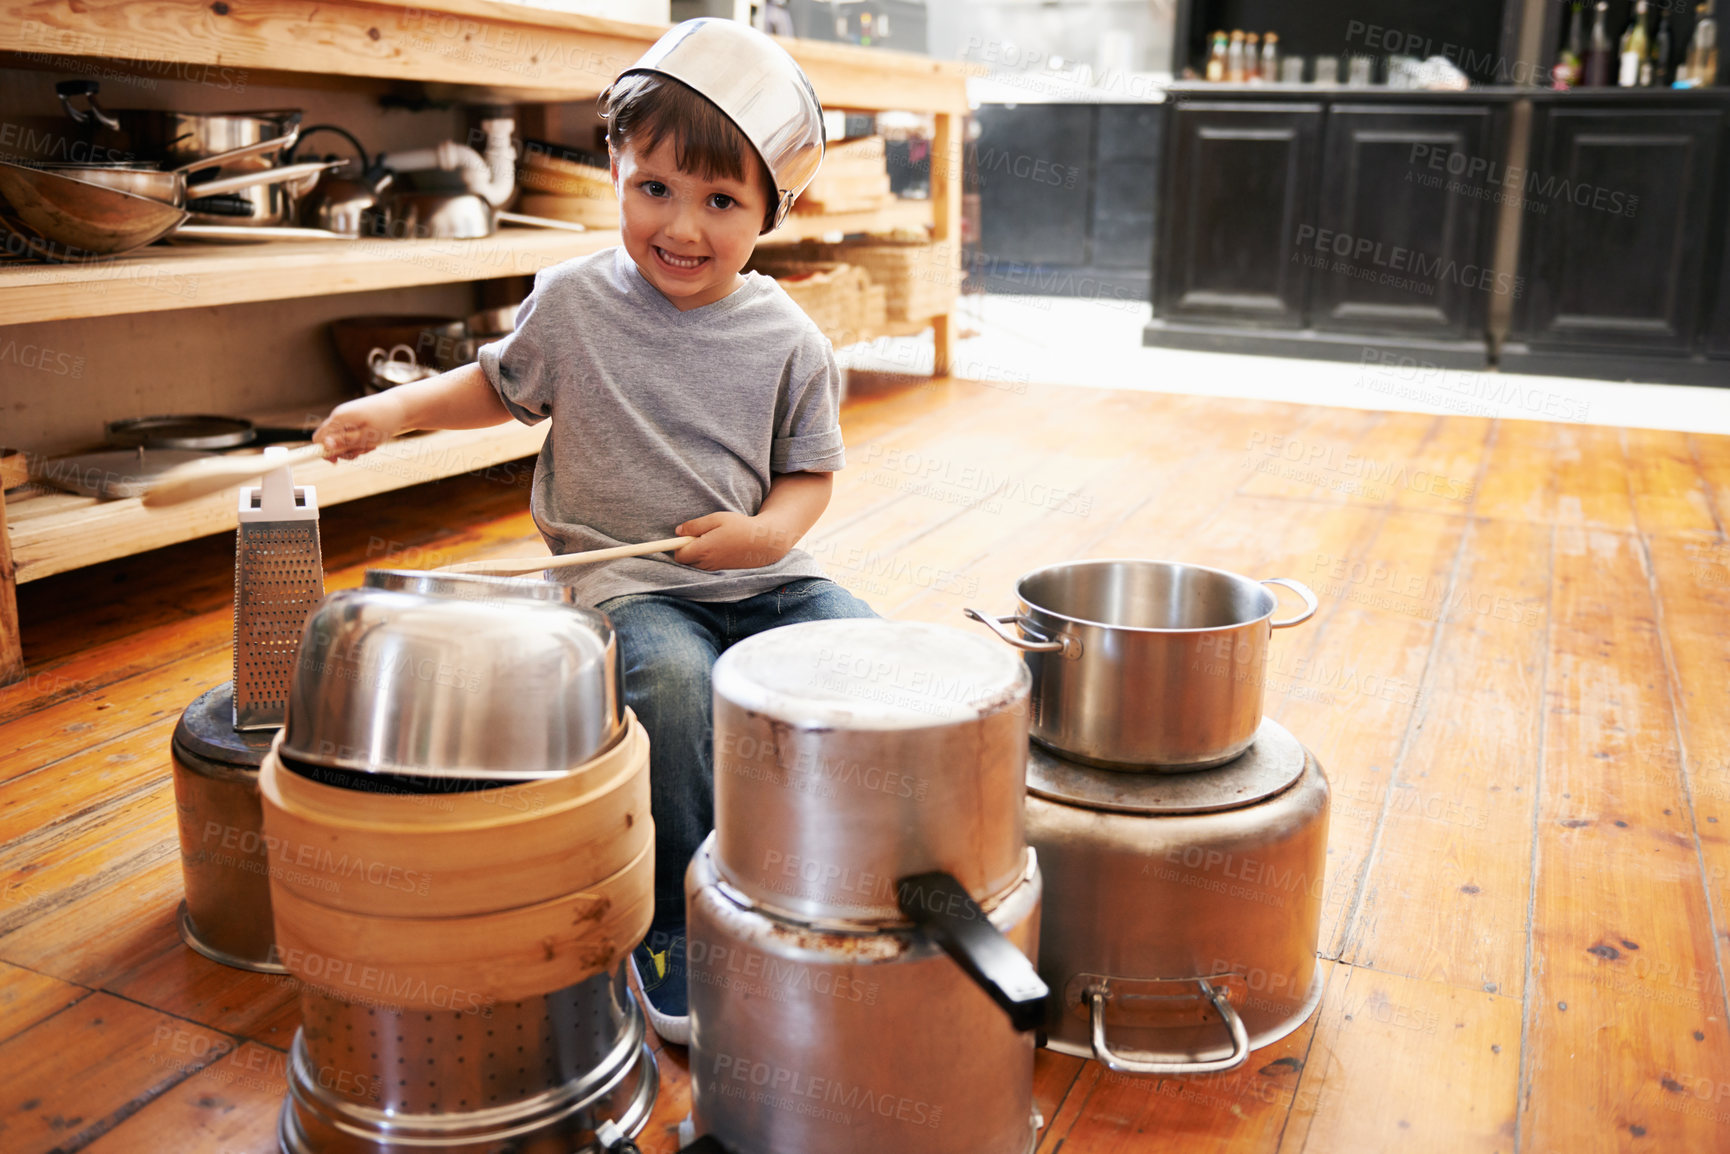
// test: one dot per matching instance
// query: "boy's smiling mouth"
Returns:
(680, 263)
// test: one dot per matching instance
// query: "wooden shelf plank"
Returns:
(164, 277)
(178, 276)
(533, 52)
(78, 531)
(902, 214)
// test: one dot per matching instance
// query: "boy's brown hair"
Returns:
(642, 108)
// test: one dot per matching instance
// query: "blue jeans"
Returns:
(668, 645)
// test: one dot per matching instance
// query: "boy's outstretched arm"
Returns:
(735, 541)
(459, 399)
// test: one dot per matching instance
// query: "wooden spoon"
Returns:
(202, 478)
(515, 566)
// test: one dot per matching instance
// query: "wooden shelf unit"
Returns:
(472, 50)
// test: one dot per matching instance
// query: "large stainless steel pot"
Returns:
(488, 678)
(1184, 910)
(850, 754)
(806, 1039)
(1145, 664)
(539, 1074)
(223, 860)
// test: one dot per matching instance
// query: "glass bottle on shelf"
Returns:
(1251, 57)
(1234, 59)
(1570, 61)
(1216, 58)
(1634, 48)
(1703, 48)
(1270, 57)
(1661, 52)
(1599, 52)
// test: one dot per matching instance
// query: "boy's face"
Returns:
(689, 236)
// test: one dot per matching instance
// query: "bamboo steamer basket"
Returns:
(422, 902)
(455, 854)
(419, 963)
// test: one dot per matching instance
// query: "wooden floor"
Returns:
(1517, 684)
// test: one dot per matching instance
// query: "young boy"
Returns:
(686, 398)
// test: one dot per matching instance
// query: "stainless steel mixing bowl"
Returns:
(437, 675)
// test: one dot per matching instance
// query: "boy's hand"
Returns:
(732, 541)
(356, 427)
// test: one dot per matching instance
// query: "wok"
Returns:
(59, 217)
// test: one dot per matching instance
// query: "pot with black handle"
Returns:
(861, 923)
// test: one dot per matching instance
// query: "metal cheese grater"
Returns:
(278, 579)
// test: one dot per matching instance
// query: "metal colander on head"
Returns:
(278, 580)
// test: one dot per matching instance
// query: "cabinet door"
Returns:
(1404, 246)
(1615, 260)
(1240, 185)
(1125, 177)
(1718, 328)
(1034, 166)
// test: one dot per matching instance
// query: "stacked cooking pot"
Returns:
(457, 814)
(860, 922)
(1183, 836)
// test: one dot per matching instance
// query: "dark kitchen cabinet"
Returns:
(1031, 162)
(1426, 235)
(1240, 184)
(1326, 222)
(1718, 328)
(1067, 197)
(1617, 261)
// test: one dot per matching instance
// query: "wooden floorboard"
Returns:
(1516, 683)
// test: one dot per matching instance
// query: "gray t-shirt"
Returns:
(660, 416)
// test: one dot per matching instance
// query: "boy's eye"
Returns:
(722, 200)
(654, 188)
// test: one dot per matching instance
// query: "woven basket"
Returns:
(920, 280)
(836, 296)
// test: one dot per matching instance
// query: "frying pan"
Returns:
(170, 186)
(75, 213)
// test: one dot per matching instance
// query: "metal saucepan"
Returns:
(175, 138)
(851, 753)
(448, 215)
(1145, 664)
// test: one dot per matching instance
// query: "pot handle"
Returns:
(1302, 590)
(67, 89)
(1123, 1063)
(287, 172)
(942, 908)
(1064, 644)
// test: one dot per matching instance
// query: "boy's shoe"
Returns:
(658, 971)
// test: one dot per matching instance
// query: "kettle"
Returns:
(339, 202)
